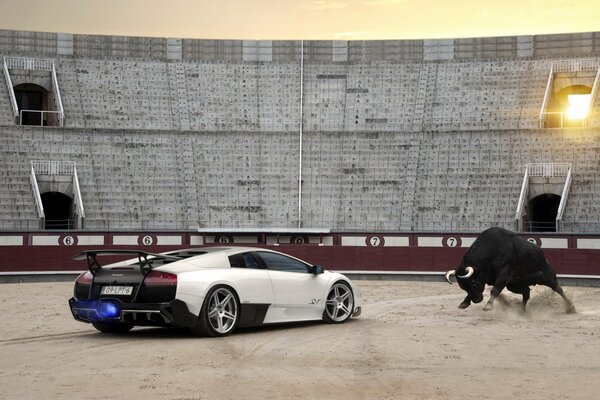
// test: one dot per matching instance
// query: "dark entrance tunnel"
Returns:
(542, 212)
(58, 208)
(31, 97)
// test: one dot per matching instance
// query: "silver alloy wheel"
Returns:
(222, 310)
(340, 302)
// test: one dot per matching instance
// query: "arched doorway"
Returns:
(570, 106)
(31, 99)
(58, 208)
(542, 212)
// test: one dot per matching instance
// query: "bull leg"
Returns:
(465, 303)
(526, 292)
(523, 290)
(502, 280)
(570, 308)
(502, 299)
(552, 283)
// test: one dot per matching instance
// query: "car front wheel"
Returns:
(219, 314)
(339, 303)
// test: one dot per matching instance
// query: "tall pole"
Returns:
(301, 128)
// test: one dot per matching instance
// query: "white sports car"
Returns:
(212, 290)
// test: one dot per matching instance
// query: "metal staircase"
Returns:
(33, 64)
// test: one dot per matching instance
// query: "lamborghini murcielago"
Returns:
(212, 290)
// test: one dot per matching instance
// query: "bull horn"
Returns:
(470, 272)
(449, 274)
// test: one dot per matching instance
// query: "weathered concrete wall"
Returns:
(351, 180)
(228, 85)
(181, 133)
(98, 46)
(257, 97)
(133, 179)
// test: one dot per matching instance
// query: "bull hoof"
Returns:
(571, 309)
(464, 305)
(488, 307)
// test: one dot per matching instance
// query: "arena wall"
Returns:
(346, 251)
(397, 135)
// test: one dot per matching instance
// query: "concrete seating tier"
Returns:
(351, 180)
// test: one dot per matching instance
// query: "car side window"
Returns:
(237, 261)
(279, 262)
(251, 261)
(243, 260)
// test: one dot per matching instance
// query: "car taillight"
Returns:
(157, 278)
(85, 278)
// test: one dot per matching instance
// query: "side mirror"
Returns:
(317, 269)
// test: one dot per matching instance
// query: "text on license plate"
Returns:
(119, 290)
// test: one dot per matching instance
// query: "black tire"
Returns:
(340, 299)
(117, 327)
(218, 318)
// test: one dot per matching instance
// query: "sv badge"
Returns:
(315, 301)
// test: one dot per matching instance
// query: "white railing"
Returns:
(563, 201)
(30, 64)
(37, 197)
(41, 112)
(564, 115)
(593, 92)
(569, 66)
(575, 65)
(547, 97)
(79, 211)
(57, 98)
(34, 64)
(68, 168)
(521, 203)
(11, 92)
(545, 170)
(53, 167)
(548, 170)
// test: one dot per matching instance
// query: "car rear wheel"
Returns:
(219, 314)
(117, 327)
(339, 303)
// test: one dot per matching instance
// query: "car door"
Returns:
(253, 281)
(299, 294)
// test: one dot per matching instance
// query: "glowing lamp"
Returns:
(108, 310)
(578, 105)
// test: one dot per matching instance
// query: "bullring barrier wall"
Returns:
(348, 251)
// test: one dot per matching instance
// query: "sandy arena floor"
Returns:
(412, 342)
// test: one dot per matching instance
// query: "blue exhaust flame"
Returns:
(107, 310)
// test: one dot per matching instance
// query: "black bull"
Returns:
(502, 259)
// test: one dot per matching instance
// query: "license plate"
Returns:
(118, 290)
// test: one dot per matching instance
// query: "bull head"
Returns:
(470, 271)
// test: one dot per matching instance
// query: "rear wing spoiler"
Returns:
(145, 266)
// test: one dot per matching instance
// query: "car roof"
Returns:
(214, 253)
(194, 257)
(209, 257)
(217, 249)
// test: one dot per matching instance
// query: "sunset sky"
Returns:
(303, 19)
